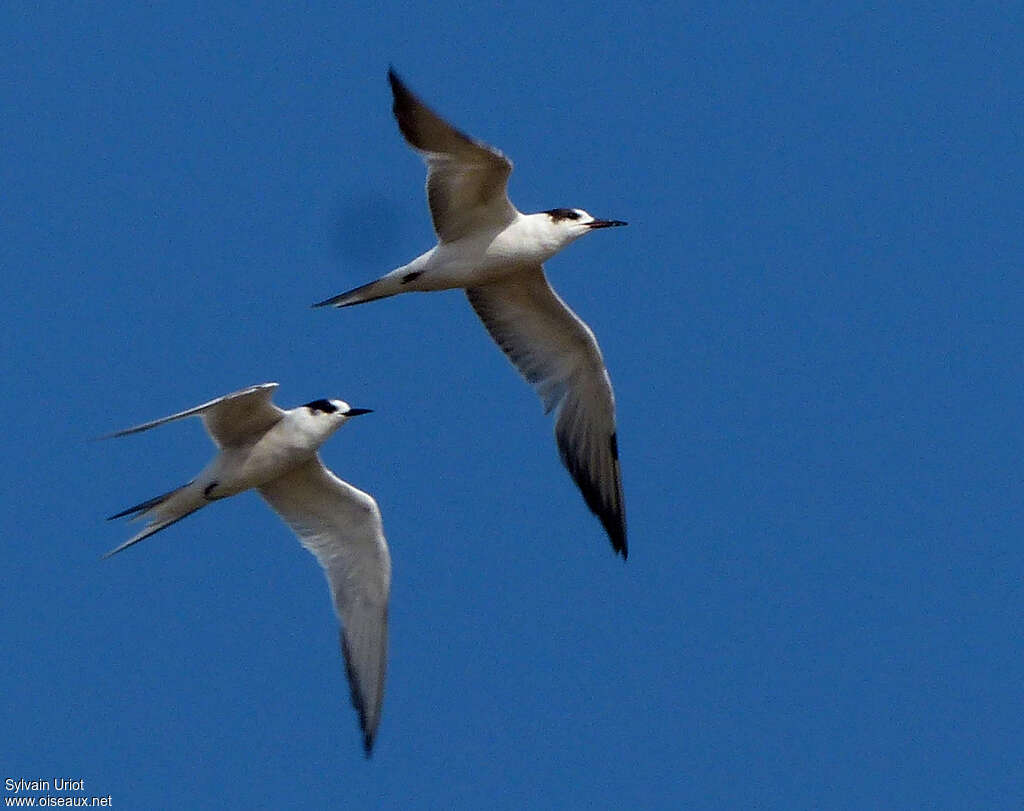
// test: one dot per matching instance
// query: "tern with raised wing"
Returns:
(495, 252)
(275, 451)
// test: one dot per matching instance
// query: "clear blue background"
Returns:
(813, 328)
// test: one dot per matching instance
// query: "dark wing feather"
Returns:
(558, 354)
(466, 180)
(341, 526)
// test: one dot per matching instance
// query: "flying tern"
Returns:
(275, 451)
(495, 252)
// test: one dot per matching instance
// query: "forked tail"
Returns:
(161, 512)
(383, 287)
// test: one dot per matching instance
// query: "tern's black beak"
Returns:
(606, 223)
(355, 412)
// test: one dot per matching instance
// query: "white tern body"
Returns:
(275, 451)
(495, 252)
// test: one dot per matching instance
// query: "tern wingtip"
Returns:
(112, 435)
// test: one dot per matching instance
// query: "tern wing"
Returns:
(466, 180)
(230, 420)
(341, 526)
(558, 354)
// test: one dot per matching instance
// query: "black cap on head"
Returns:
(325, 406)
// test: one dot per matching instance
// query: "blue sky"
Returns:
(813, 328)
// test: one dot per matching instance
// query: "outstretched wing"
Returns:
(341, 526)
(466, 180)
(558, 354)
(230, 420)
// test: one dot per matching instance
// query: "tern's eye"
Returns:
(572, 215)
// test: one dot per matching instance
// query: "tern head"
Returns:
(572, 223)
(324, 417)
